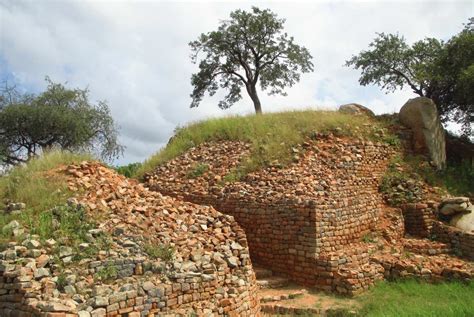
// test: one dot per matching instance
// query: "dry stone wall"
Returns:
(419, 218)
(462, 242)
(321, 220)
(292, 216)
(207, 273)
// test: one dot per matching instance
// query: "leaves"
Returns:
(441, 71)
(59, 117)
(247, 48)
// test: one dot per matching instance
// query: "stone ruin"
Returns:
(209, 274)
(321, 221)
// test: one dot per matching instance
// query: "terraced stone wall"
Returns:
(289, 235)
(137, 297)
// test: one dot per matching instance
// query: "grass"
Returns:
(271, 135)
(164, 252)
(34, 185)
(198, 170)
(412, 298)
(456, 179)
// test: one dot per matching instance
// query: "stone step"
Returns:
(272, 282)
(288, 310)
(262, 273)
(266, 298)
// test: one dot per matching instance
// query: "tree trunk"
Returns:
(256, 102)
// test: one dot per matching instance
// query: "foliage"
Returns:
(404, 178)
(198, 170)
(164, 252)
(128, 170)
(413, 298)
(57, 118)
(249, 47)
(106, 273)
(455, 79)
(61, 282)
(441, 71)
(271, 135)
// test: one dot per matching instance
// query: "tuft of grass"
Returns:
(164, 252)
(271, 135)
(106, 273)
(412, 298)
(198, 170)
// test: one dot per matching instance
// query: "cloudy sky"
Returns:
(135, 54)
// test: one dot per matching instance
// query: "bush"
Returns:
(128, 170)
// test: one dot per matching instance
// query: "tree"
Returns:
(58, 117)
(442, 71)
(248, 48)
(454, 79)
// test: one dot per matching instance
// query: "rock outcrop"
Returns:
(459, 211)
(356, 109)
(420, 114)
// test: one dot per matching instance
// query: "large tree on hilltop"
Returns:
(442, 71)
(248, 48)
(57, 118)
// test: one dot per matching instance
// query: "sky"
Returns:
(135, 54)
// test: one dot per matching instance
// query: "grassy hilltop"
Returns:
(271, 135)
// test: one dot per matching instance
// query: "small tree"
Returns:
(59, 117)
(441, 71)
(248, 48)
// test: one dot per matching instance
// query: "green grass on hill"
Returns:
(410, 298)
(34, 185)
(271, 135)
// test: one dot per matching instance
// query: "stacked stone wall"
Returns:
(216, 293)
(419, 218)
(205, 269)
(461, 242)
(289, 235)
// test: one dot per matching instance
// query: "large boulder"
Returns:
(421, 116)
(355, 108)
(459, 211)
(455, 205)
(465, 222)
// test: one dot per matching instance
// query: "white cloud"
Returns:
(136, 55)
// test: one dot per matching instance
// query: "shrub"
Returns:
(128, 170)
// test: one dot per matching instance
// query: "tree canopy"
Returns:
(442, 71)
(57, 118)
(248, 48)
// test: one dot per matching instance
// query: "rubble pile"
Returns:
(164, 257)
